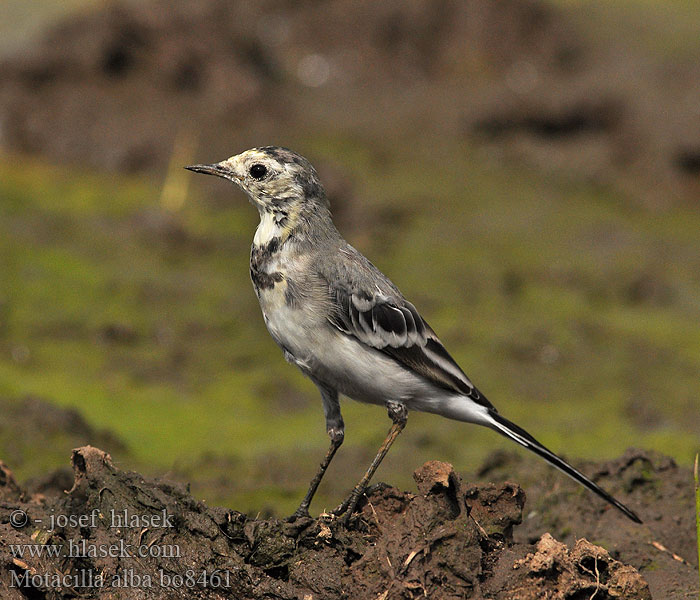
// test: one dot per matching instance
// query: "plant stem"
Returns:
(697, 510)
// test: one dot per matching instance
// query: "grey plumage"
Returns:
(345, 324)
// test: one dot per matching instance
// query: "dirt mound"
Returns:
(116, 531)
(115, 88)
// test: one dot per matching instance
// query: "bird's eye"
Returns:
(258, 171)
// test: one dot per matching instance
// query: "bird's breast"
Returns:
(277, 275)
(268, 274)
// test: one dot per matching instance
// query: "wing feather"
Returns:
(394, 326)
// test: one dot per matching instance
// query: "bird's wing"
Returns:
(380, 317)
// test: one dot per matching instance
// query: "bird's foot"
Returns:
(340, 510)
(300, 513)
(345, 511)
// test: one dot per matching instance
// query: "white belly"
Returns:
(338, 360)
(288, 325)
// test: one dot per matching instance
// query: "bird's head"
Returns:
(274, 178)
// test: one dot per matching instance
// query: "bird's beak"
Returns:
(218, 169)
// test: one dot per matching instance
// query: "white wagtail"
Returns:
(344, 324)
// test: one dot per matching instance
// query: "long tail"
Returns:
(522, 437)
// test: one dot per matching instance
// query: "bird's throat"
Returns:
(275, 224)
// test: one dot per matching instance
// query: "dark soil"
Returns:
(444, 542)
(649, 481)
(120, 533)
(115, 88)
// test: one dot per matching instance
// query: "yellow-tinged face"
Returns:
(274, 178)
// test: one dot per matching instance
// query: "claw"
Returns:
(300, 513)
(341, 509)
(347, 509)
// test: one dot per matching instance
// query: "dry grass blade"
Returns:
(176, 184)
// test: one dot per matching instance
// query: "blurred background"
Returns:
(527, 171)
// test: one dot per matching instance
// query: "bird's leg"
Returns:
(336, 431)
(398, 413)
(303, 510)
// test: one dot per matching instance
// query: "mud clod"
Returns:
(439, 481)
(496, 508)
(9, 490)
(586, 571)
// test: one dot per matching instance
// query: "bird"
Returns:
(345, 325)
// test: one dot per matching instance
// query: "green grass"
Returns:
(530, 282)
